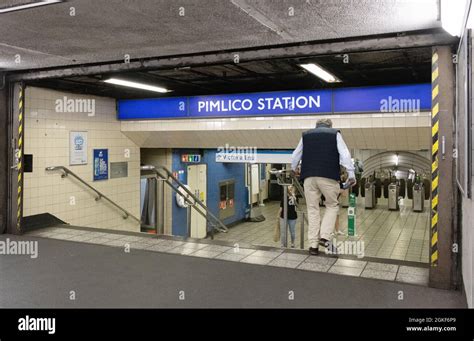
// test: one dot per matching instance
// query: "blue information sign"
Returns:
(396, 98)
(153, 108)
(101, 164)
(391, 98)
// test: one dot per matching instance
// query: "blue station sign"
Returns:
(400, 98)
(264, 103)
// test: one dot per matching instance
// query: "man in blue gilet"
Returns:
(322, 151)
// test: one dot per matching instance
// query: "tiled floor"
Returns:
(272, 257)
(401, 235)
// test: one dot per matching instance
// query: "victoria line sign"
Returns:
(392, 98)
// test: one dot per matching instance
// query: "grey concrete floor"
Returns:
(106, 276)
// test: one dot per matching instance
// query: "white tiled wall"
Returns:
(47, 138)
(402, 131)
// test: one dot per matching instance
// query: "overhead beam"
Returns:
(414, 39)
(174, 80)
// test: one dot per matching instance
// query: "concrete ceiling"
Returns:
(402, 66)
(103, 31)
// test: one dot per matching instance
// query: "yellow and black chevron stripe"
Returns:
(21, 110)
(434, 157)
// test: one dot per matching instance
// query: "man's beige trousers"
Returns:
(313, 188)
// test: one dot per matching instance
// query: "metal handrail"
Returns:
(66, 171)
(216, 222)
(280, 175)
(294, 180)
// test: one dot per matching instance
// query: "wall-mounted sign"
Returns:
(77, 148)
(260, 156)
(118, 170)
(101, 164)
(372, 99)
(191, 158)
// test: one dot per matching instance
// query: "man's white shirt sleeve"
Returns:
(296, 156)
(345, 156)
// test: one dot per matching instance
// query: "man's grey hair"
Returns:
(324, 122)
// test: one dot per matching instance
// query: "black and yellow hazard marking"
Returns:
(21, 110)
(434, 157)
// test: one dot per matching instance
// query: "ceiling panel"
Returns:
(101, 31)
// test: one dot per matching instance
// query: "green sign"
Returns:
(351, 216)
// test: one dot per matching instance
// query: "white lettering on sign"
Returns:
(262, 104)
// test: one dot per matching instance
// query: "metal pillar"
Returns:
(285, 214)
(11, 157)
(442, 186)
(4, 164)
(188, 222)
(302, 230)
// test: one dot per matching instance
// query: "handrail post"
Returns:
(302, 231)
(285, 215)
(188, 221)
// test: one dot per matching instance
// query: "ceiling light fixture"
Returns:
(28, 4)
(453, 16)
(136, 85)
(318, 71)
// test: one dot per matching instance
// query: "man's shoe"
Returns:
(313, 251)
(323, 242)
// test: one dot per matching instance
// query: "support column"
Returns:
(14, 130)
(442, 180)
(4, 164)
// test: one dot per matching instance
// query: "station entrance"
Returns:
(83, 165)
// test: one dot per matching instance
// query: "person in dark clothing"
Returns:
(292, 216)
(322, 151)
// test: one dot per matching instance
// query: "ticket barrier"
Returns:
(370, 197)
(418, 201)
(393, 194)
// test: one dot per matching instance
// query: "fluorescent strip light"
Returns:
(452, 16)
(136, 85)
(320, 72)
(29, 5)
(397, 159)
